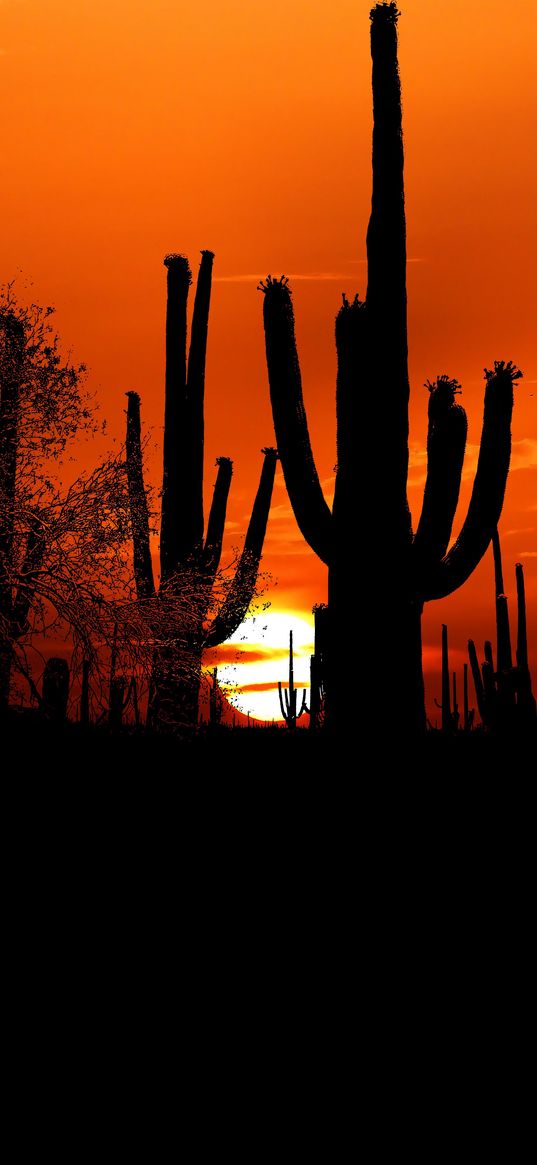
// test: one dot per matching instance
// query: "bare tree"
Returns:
(63, 548)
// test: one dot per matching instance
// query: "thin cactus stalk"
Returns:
(478, 680)
(189, 554)
(291, 710)
(375, 562)
(450, 715)
(505, 676)
(526, 704)
(505, 699)
(446, 705)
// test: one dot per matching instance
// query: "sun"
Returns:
(262, 643)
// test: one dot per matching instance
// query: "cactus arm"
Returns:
(217, 517)
(195, 392)
(303, 706)
(240, 594)
(139, 513)
(446, 442)
(31, 565)
(489, 488)
(290, 422)
(176, 531)
(284, 712)
(489, 657)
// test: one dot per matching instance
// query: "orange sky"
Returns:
(135, 127)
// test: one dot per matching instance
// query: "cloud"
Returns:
(523, 456)
(528, 554)
(299, 276)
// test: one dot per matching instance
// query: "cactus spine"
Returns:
(289, 697)
(377, 566)
(189, 559)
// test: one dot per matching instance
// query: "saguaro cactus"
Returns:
(289, 696)
(504, 695)
(317, 678)
(189, 560)
(380, 573)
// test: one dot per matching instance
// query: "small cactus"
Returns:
(289, 696)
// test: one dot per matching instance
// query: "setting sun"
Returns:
(261, 646)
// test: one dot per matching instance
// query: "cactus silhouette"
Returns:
(504, 695)
(450, 711)
(380, 573)
(289, 697)
(188, 559)
(317, 678)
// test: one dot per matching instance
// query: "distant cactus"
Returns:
(380, 573)
(503, 692)
(450, 712)
(289, 696)
(189, 560)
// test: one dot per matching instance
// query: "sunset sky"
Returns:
(131, 128)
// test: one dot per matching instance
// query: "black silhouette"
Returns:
(503, 692)
(189, 563)
(61, 548)
(380, 574)
(291, 712)
(55, 689)
(317, 669)
(450, 712)
(469, 713)
(216, 703)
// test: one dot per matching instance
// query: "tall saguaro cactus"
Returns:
(189, 554)
(380, 572)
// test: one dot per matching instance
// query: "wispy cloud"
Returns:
(528, 554)
(299, 276)
(523, 456)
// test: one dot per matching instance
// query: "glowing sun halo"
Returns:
(251, 685)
